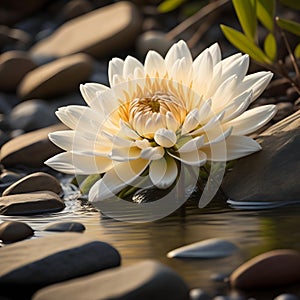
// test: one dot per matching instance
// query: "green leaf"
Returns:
(246, 13)
(270, 46)
(169, 5)
(290, 26)
(297, 51)
(86, 185)
(265, 10)
(243, 43)
(295, 4)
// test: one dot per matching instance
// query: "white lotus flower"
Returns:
(156, 116)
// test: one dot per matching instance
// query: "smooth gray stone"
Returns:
(270, 177)
(29, 265)
(210, 248)
(147, 280)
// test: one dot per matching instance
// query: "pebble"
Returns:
(13, 10)
(14, 231)
(284, 109)
(30, 149)
(198, 294)
(210, 248)
(56, 78)
(31, 115)
(31, 264)
(287, 297)
(146, 280)
(102, 33)
(30, 204)
(75, 8)
(9, 176)
(152, 40)
(65, 227)
(271, 269)
(38, 181)
(14, 65)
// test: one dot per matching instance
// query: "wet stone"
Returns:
(119, 22)
(271, 269)
(262, 172)
(210, 248)
(38, 181)
(56, 78)
(30, 149)
(13, 231)
(65, 227)
(29, 265)
(30, 204)
(146, 280)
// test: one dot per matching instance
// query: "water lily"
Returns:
(155, 118)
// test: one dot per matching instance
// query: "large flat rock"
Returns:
(272, 174)
(146, 280)
(102, 32)
(32, 264)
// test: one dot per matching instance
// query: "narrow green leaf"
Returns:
(265, 10)
(290, 26)
(169, 5)
(86, 185)
(246, 13)
(243, 43)
(270, 46)
(295, 4)
(297, 51)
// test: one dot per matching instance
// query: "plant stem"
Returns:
(205, 11)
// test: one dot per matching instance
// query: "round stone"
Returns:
(271, 269)
(14, 65)
(13, 231)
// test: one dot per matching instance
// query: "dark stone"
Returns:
(65, 226)
(259, 177)
(199, 294)
(286, 297)
(13, 67)
(56, 78)
(271, 269)
(34, 182)
(13, 231)
(146, 280)
(32, 115)
(284, 109)
(29, 265)
(30, 149)
(30, 204)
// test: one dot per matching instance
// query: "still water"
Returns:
(254, 232)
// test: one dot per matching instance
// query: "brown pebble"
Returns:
(14, 65)
(271, 269)
(284, 109)
(38, 181)
(13, 231)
